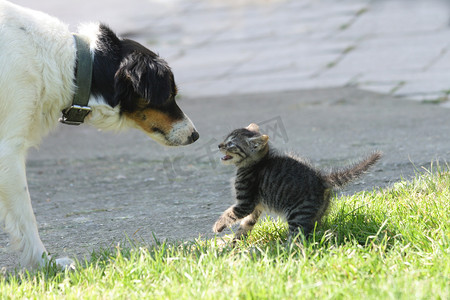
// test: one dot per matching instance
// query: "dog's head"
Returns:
(145, 88)
(141, 87)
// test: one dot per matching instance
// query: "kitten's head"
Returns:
(244, 146)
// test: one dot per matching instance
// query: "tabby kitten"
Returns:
(281, 183)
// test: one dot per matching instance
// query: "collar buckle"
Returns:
(75, 114)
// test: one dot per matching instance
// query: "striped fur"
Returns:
(285, 184)
(339, 178)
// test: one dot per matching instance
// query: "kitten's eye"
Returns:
(230, 144)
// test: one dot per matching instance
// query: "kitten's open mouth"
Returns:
(227, 157)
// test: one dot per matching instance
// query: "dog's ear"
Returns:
(147, 77)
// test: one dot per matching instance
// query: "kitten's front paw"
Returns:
(219, 226)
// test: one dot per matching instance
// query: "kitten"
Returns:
(281, 183)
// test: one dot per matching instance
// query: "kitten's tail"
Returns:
(339, 178)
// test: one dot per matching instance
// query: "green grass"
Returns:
(388, 244)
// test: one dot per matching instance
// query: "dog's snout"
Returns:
(195, 136)
(182, 133)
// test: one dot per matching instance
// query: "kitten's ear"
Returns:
(264, 139)
(259, 141)
(253, 127)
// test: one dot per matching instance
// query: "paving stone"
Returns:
(410, 84)
(442, 60)
(396, 18)
(235, 45)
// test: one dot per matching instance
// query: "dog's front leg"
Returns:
(16, 212)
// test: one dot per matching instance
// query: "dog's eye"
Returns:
(157, 130)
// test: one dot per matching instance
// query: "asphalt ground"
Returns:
(93, 189)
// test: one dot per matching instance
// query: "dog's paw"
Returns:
(65, 263)
(219, 226)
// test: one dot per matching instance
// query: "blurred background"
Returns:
(396, 47)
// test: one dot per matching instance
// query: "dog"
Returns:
(131, 87)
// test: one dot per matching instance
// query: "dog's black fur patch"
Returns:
(125, 73)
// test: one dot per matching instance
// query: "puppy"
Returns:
(131, 87)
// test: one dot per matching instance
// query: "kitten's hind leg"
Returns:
(301, 222)
(303, 217)
(299, 229)
(248, 223)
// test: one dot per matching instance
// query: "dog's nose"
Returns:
(195, 136)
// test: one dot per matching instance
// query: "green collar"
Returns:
(75, 114)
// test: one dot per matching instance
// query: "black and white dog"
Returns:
(130, 87)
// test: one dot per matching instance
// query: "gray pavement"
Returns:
(330, 80)
(93, 189)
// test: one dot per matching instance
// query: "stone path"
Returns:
(397, 47)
